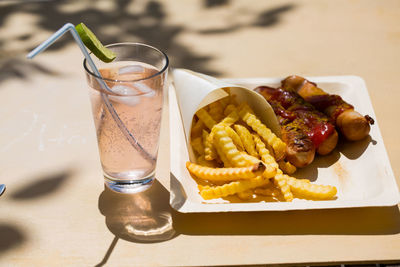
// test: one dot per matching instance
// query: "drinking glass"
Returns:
(127, 104)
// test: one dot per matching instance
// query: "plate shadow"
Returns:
(349, 221)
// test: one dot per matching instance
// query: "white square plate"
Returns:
(360, 170)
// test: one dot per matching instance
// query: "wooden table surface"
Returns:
(56, 210)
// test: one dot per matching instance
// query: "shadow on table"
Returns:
(10, 237)
(148, 22)
(350, 221)
(348, 149)
(147, 217)
(143, 217)
(42, 186)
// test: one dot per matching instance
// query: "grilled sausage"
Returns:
(351, 124)
(304, 129)
(300, 151)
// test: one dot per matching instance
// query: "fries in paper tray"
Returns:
(226, 153)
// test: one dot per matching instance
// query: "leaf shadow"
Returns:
(18, 68)
(151, 26)
(41, 186)
(271, 17)
(10, 237)
(267, 18)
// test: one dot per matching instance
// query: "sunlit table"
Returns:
(56, 210)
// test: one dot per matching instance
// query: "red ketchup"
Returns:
(290, 107)
(320, 132)
(316, 125)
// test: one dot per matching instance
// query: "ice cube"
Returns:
(126, 95)
(123, 90)
(126, 100)
(131, 69)
(144, 89)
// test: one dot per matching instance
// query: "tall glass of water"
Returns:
(127, 104)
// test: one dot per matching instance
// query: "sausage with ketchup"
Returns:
(351, 124)
(304, 129)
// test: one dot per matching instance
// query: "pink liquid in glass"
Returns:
(138, 102)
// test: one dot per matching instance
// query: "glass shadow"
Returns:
(143, 217)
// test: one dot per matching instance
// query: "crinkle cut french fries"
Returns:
(238, 155)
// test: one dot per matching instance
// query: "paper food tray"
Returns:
(360, 170)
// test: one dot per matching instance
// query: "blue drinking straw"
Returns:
(70, 27)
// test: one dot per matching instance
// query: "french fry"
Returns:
(223, 158)
(204, 116)
(281, 183)
(197, 145)
(272, 166)
(227, 121)
(225, 174)
(247, 139)
(208, 192)
(224, 102)
(225, 145)
(287, 167)
(235, 138)
(197, 128)
(208, 163)
(270, 149)
(209, 150)
(279, 180)
(302, 188)
(216, 111)
(247, 115)
(232, 117)
(250, 159)
(229, 108)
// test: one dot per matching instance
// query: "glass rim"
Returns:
(164, 68)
